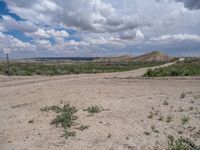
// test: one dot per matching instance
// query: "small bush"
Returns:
(196, 97)
(182, 95)
(94, 109)
(150, 116)
(68, 134)
(149, 73)
(154, 129)
(31, 121)
(65, 118)
(187, 68)
(161, 118)
(147, 133)
(176, 144)
(192, 101)
(169, 119)
(82, 127)
(181, 144)
(165, 103)
(191, 108)
(55, 109)
(44, 108)
(184, 120)
(180, 109)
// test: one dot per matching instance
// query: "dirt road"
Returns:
(131, 103)
(16, 80)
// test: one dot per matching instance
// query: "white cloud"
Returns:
(176, 38)
(8, 41)
(2, 29)
(57, 33)
(90, 15)
(46, 5)
(39, 33)
(104, 41)
(46, 33)
(105, 24)
(43, 44)
(8, 23)
(75, 43)
(118, 40)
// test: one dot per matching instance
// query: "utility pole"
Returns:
(7, 52)
(7, 56)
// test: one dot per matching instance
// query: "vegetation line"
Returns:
(29, 69)
(186, 68)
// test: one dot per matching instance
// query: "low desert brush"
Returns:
(169, 119)
(151, 114)
(147, 133)
(165, 103)
(65, 118)
(182, 95)
(94, 109)
(83, 127)
(184, 120)
(181, 144)
(161, 118)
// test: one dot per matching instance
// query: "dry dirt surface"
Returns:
(140, 113)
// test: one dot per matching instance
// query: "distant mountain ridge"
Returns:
(152, 56)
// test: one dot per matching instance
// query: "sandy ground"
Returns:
(129, 100)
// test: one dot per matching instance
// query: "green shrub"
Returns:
(181, 144)
(147, 133)
(65, 118)
(169, 119)
(184, 120)
(182, 95)
(27, 69)
(68, 134)
(165, 103)
(187, 68)
(82, 127)
(94, 109)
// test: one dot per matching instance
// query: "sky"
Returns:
(95, 28)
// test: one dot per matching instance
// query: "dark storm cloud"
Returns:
(190, 4)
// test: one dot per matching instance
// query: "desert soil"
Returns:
(136, 107)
